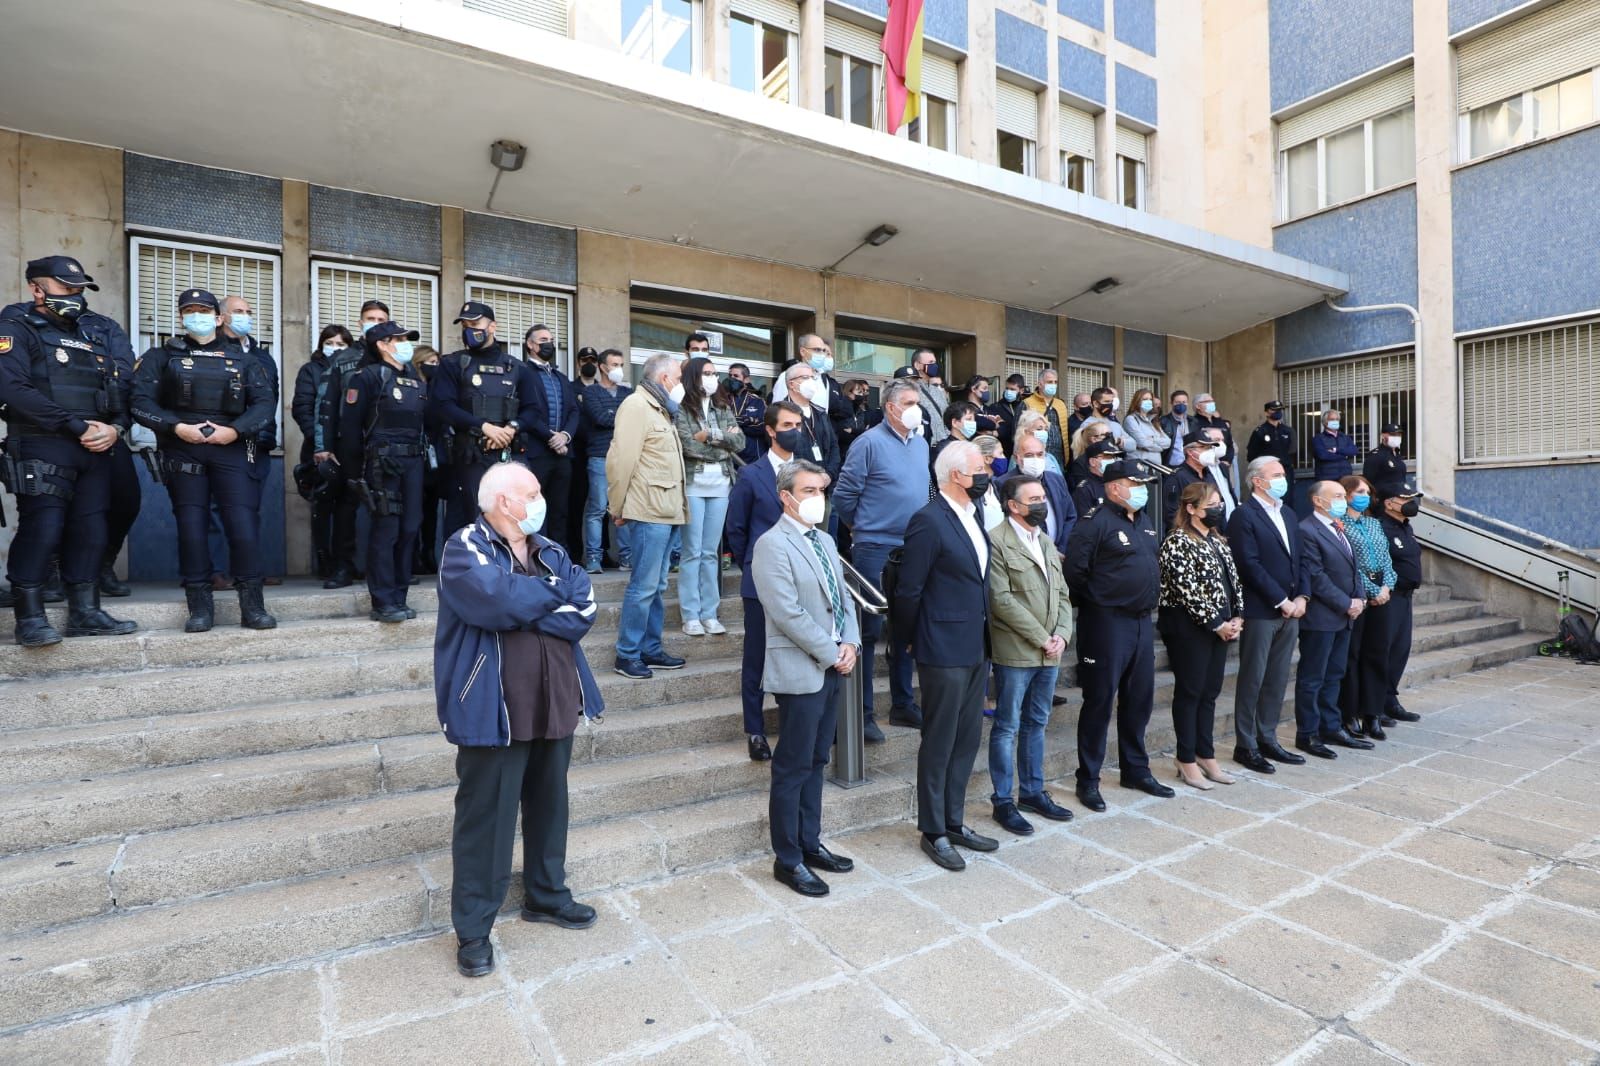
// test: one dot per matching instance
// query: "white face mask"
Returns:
(911, 417)
(1208, 457)
(1033, 465)
(1115, 403)
(1395, 442)
(615, 375)
(708, 383)
(813, 390)
(813, 509)
(676, 392)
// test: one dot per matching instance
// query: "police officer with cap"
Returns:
(1274, 437)
(65, 401)
(1091, 491)
(1406, 552)
(483, 394)
(383, 435)
(207, 404)
(1385, 468)
(1114, 577)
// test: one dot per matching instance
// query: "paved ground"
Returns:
(1435, 901)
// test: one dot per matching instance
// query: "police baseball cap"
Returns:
(1273, 405)
(197, 298)
(1200, 436)
(63, 268)
(1392, 427)
(473, 309)
(1128, 470)
(386, 330)
(1102, 447)
(905, 372)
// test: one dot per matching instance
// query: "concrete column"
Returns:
(714, 40)
(1105, 128)
(1239, 194)
(1049, 163)
(604, 269)
(294, 347)
(452, 265)
(1242, 375)
(1061, 346)
(597, 24)
(1186, 366)
(1434, 435)
(975, 109)
(1117, 364)
(811, 55)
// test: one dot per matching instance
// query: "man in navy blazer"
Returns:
(941, 609)
(1334, 598)
(1062, 516)
(548, 438)
(754, 508)
(1264, 536)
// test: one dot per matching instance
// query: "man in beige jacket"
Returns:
(1030, 625)
(644, 486)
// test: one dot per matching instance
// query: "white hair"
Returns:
(498, 481)
(955, 456)
(1028, 419)
(795, 368)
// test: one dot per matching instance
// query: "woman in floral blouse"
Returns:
(1201, 614)
(1366, 685)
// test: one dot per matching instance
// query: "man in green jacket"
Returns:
(1030, 625)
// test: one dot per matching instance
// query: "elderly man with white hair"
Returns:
(808, 390)
(510, 682)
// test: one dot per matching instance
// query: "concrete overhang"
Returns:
(403, 97)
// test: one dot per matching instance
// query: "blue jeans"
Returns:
(869, 559)
(700, 573)
(1317, 681)
(1016, 739)
(643, 612)
(594, 517)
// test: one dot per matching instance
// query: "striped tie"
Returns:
(827, 569)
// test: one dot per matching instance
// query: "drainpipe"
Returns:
(1416, 344)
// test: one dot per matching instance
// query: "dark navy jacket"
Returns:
(753, 508)
(1060, 501)
(941, 599)
(1333, 452)
(538, 428)
(600, 417)
(1328, 576)
(1269, 572)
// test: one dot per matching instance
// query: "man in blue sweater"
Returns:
(883, 483)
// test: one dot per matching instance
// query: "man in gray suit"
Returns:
(812, 639)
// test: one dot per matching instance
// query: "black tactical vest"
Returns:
(209, 384)
(488, 387)
(397, 407)
(80, 376)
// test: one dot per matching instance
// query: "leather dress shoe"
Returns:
(1058, 701)
(1400, 714)
(1278, 753)
(571, 915)
(968, 838)
(1374, 729)
(1345, 740)
(1387, 722)
(1254, 760)
(759, 751)
(1045, 806)
(1317, 748)
(1150, 785)
(1089, 796)
(1353, 727)
(823, 859)
(664, 662)
(871, 733)
(910, 717)
(800, 879)
(1011, 820)
(388, 614)
(941, 851)
(475, 957)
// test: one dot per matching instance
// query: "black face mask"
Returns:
(474, 338)
(1410, 508)
(1105, 409)
(1214, 516)
(979, 486)
(1276, 416)
(930, 370)
(788, 440)
(1085, 411)
(588, 370)
(737, 385)
(547, 351)
(67, 308)
(1037, 513)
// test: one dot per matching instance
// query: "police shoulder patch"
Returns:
(5, 345)
(352, 395)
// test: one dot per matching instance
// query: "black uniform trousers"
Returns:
(48, 524)
(333, 526)
(1399, 647)
(555, 484)
(1365, 693)
(125, 500)
(806, 725)
(492, 784)
(952, 728)
(1198, 657)
(392, 538)
(754, 664)
(225, 478)
(1116, 665)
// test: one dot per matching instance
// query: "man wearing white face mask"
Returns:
(809, 392)
(1385, 468)
(600, 404)
(1060, 512)
(1202, 451)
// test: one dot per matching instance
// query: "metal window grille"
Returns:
(548, 15)
(1368, 391)
(517, 309)
(1029, 366)
(1551, 370)
(1080, 378)
(1133, 381)
(339, 289)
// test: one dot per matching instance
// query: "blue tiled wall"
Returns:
(1317, 44)
(946, 21)
(1136, 24)
(880, 8)
(1553, 500)
(1144, 351)
(181, 196)
(1030, 331)
(355, 223)
(1527, 234)
(516, 249)
(1088, 12)
(1136, 94)
(1375, 242)
(1082, 71)
(1089, 342)
(1465, 13)
(1021, 46)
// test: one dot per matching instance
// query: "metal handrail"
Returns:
(874, 602)
(1544, 542)
(1546, 570)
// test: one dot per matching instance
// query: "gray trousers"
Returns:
(1266, 648)
(952, 727)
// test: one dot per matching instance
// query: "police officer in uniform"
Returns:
(1404, 549)
(1091, 491)
(343, 500)
(65, 401)
(207, 406)
(1274, 437)
(1385, 468)
(383, 449)
(1114, 577)
(482, 394)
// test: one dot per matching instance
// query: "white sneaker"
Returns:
(693, 628)
(714, 627)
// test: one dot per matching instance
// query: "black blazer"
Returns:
(1269, 573)
(941, 599)
(1328, 576)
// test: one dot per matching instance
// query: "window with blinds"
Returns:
(1133, 381)
(1543, 370)
(1080, 378)
(338, 290)
(548, 15)
(518, 309)
(1016, 110)
(1029, 366)
(1366, 391)
(1539, 49)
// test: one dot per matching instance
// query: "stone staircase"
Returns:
(177, 808)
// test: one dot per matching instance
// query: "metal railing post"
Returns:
(849, 767)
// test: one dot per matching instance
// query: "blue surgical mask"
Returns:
(1138, 496)
(1333, 424)
(1210, 407)
(1010, 395)
(535, 520)
(827, 365)
(366, 327)
(1050, 390)
(241, 323)
(403, 351)
(200, 323)
(1278, 488)
(969, 428)
(1146, 406)
(1360, 502)
(983, 395)
(1043, 435)
(818, 362)
(1339, 508)
(331, 350)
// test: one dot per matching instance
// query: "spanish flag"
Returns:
(902, 63)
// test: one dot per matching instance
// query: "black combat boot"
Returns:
(33, 626)
(110, 585)
(202, 611)
(252, 613)
(86, 619)
(52, 583)
(5, 600)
